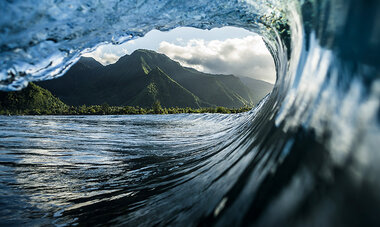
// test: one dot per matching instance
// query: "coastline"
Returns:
(119, 110)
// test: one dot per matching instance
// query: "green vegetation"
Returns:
(31, 100)
(122, 110)
(35, 100)
(144, 76)
(163, 88)
(144, 82)
(155, 109)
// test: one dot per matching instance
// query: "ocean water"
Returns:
(113, 169)
(306, 156)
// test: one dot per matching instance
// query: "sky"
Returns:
(226, 50)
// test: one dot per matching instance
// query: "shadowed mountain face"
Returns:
(169, 92)
(143, 77)
(258, 87)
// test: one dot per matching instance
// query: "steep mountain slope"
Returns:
(84, 84)
(164, 89)
(125, 83)
(257, 87)
(32, 98)
(220, 90)
(78, 85)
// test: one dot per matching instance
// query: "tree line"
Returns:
(35, 100)
(106, 109)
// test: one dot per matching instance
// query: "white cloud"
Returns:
(242, 56)
(107, 54)
(246, 56)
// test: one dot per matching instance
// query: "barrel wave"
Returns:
(308, 154)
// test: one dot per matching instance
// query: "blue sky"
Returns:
(226, 50)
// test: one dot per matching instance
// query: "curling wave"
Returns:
(307, 155)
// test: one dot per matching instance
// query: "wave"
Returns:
(307, 155)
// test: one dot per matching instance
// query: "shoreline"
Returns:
(97, 110)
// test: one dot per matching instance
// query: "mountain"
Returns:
(143, 77)
(220, 90)
(161, 87)
(32, 98)
(258, 87)
(76, 87)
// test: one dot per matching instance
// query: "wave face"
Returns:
(307, 155)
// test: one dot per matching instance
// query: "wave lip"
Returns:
(307, 156)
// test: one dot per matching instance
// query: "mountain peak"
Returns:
(132, 77)
(150, 54)
(89, 61)
(144, 51)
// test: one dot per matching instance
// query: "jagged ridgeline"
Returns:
(145, 76)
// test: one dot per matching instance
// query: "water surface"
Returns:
(92, 169)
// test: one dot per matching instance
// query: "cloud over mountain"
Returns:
(246, 56)
(107, 54)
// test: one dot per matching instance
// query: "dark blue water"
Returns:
(95, 169)
(307, 156)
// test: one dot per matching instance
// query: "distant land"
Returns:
(258, 88)
(35, 100)
(146, 76)
(30, 100)
(140, 83)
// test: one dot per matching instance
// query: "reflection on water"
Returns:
(94, 168)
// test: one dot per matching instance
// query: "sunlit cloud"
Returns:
(107, 54)
(226, 50)
(246, 56)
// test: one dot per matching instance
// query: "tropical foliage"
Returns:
(31, 100)
(144, 76)
(35, 100)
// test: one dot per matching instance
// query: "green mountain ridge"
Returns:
(33, 99)
(220, 90)
(259, 87)
(161, 87)
(134, 79)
